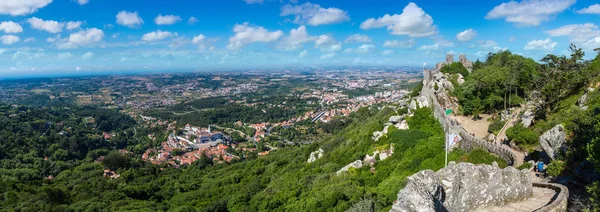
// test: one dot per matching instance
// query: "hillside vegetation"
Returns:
(551, 89)
(280, 181)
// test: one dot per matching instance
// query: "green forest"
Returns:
(33, 149)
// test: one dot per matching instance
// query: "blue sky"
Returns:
(53, 37)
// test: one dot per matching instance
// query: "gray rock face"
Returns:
(582, 101)
(463, 187)
(356, 164)
(553, 139)
(315, 155)
(527, 118)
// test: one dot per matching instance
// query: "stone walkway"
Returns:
(541, 197)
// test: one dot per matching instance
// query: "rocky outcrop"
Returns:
(553, 139)
(419, 101)
(315, 155)
(582, 101)
(463, 187)
(356, 164)
(527, 118)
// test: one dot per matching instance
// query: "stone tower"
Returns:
(449, 58)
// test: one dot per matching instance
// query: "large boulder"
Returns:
(553, 139)
(463, 187)
(315, 155)
(582, 101)
(527, 118)
(420, 101)
(356, 164)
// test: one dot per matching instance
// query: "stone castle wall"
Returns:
(560, 202)
(469, 142)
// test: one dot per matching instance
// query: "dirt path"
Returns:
(479, 127)
(502, 135)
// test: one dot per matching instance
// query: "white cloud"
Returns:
(49, 25)
(365, 48)
(73, 25)
(129, 19)
(64, 56)
(328, 44)
(87, 56)
(246, 34)
(9, 39)
(529, 12)
(254, 1)
(296, 39)
(432, 47)
(166, 20)
(303, 54)
(53, 39)
(358, 38)
(314, 14)
(30, 39)
(487, 43)
(579, 34)
(81, 38)
(547, 45)
(413, 22)
(328, 55)
(387, 52)
(592, 9)
(10, 27)
(466, 35)
(399, 43)
(22, 7)
(157, 35)
(193, 20)
(82, 2)
(198, 39)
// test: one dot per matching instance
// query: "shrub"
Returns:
(495, 127)
(455, 68)
(525, 166)
(521, 135)
(556, 168)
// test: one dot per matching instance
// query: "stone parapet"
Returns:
(560, 200)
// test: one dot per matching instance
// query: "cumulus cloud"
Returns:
(30, 39)
(327, 43)
(22, 7)
(466, 35)
(157, 35)
(358, 38)
(432, 47)
(82, 38)
(10, 27)
(82, 2)
(399, 43)
(73, 25)
(580, 34)
(387, 52)
(9, 39)
(365, 48)
(64, 56)
(193, 20)
(166, 20)
(246, 34)
(314, 14)
(129, 19)
(328, 55)
(303, 54)
(529, 12)
(296, 39)
(48, 26)
(592, 9)
(546, 45)
(413, 22)
(487, 43)
(87, 56)
(198, 39)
